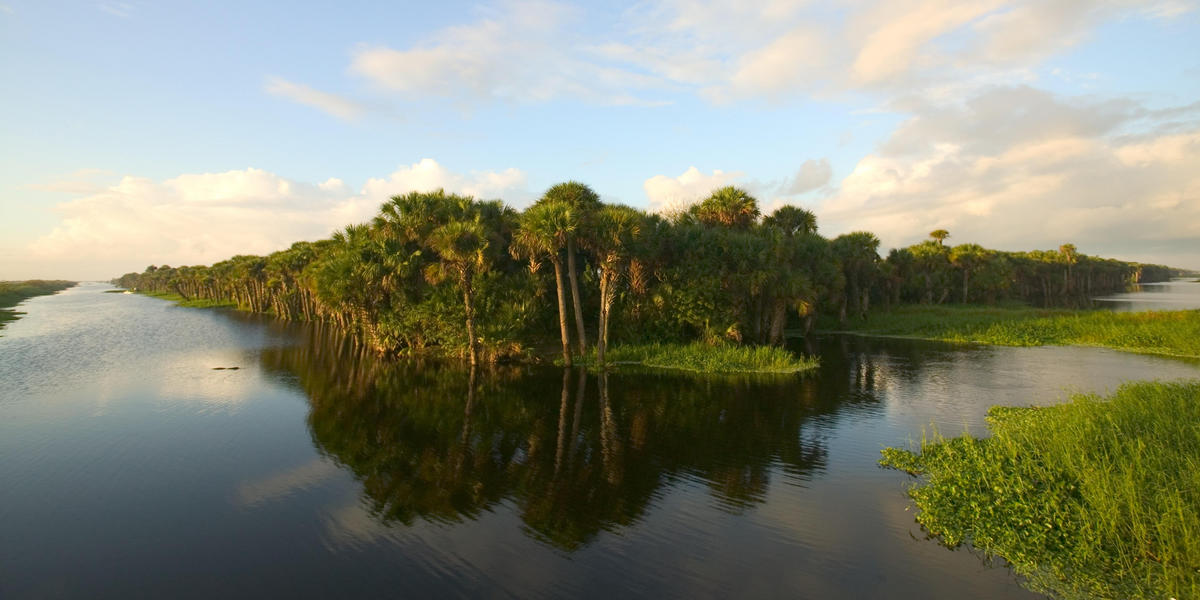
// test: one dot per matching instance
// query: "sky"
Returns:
(137, 133)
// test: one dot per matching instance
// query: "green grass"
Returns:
(1097, 498)
(1175, 333)
(705, 358)
(13, 293)
(196, 303)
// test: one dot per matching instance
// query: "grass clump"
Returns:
(1097, 498)
(709, 358)
(1175, 333)
(192, 303)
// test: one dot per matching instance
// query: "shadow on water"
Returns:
(578, 453)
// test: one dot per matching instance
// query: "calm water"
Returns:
(1178, 294)
(131, 468)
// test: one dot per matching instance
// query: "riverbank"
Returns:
(696, 357)
(13, 293)
(193, 303)
(1172, 333)
(699, 357)
(1096, 498)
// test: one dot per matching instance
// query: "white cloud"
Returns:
(332, 104)
(519, 51)
(724, 50)
(1042, 172)
(427, 175)
(670, 194)
(207, 217)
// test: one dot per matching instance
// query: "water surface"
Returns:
(131, 468)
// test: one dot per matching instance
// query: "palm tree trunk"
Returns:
(573, 272)
(562, 309)
(966, 277)
(602, 326)
(469, 304)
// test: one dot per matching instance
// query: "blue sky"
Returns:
(156, 132)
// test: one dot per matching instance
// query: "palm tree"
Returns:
(460, 246)
(968, 258)
(543, 232)
(728, 206)
(939, 235)
(616, 230)
(583, 202)
(1069, 257)
(858, 253)
(792, 220)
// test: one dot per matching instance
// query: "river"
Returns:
(133, 468)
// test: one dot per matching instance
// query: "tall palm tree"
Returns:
(1069, 257)
(460, 246)
(968, 258)
(584, 203)
(616, 230)
(543, 232)
(858, 253)
(939, 235)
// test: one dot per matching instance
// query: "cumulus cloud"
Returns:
(206, 217)
(667, 194)
(509, 184)
(1045, 170)
(670, 194)
(332, 104)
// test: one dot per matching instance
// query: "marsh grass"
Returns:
(1175, 333)
(1097, 498)
(13, 293)
(709, 358)
(195, 303)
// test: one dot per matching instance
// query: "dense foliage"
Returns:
(1091, 499)
(1175, 333)
(447, 274)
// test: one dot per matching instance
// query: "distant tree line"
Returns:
(451, 275)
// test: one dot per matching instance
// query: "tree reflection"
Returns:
(575, 453)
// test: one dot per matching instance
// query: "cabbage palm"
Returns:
(583, 202)
(460, 245)
(728, 206)
(614, 236)
(543, 232)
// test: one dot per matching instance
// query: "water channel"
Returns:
(131, 467)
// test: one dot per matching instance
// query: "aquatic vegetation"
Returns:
(709, 358)
(1175, 333)
(1097, 498)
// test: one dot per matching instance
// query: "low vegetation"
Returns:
(1175, 333)
(191, 302)
(701, 357)
(13, 293)
(1097, 498)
